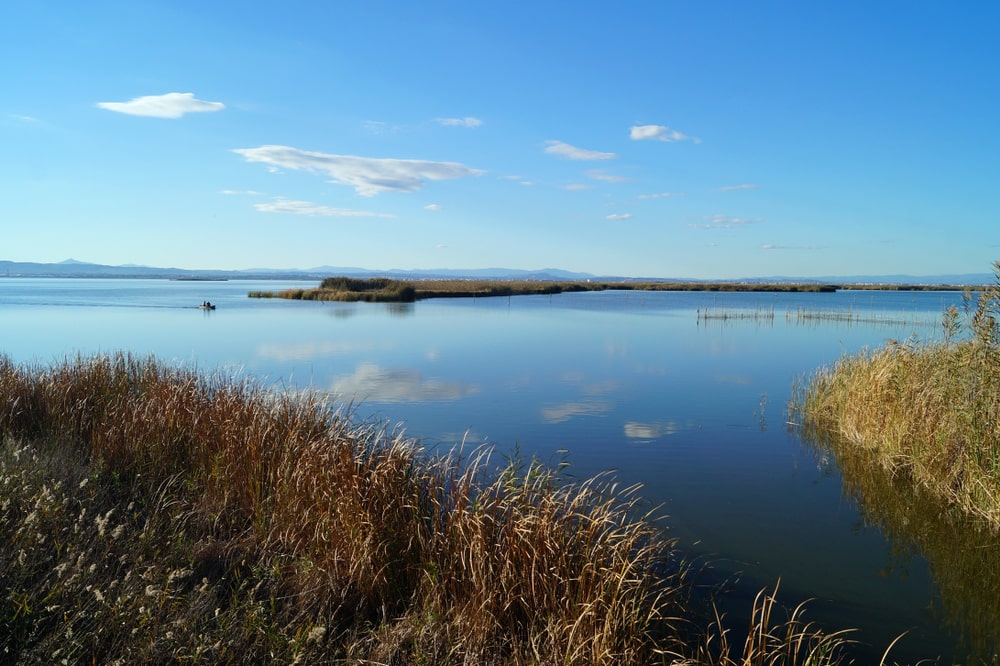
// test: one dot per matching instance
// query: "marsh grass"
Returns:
(155, 514)
(389, 290)
(345, 289)
(929, 411)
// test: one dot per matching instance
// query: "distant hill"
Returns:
(81, 269)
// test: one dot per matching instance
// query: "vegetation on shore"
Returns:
(154, 514)
(405, 291)
(928, 411)
(388, 290)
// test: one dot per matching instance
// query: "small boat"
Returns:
(206, 306)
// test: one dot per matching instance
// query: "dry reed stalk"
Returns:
(210, 520)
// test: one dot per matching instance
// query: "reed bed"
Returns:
(155, 514)
(930, 411)
(389, 290)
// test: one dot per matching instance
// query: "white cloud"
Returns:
(576, 187)
(252, 193)
(619, 216)
(171, 105)
(367, 175)
(468, 121)
(573, 153)
(724, 222)
(433, 207)
(22, 119)
(311, 209)
(660, 195)
(520, 180)
(731, 188)
(658, 133)
(598, 174)
(372, 383)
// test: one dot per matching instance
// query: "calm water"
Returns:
(694, 409)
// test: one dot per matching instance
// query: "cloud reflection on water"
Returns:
(370, 383)
(650, 431)
(567, 410)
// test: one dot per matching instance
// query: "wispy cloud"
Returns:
(379, 127)
(311, 209)
(573, 153)
(250, 193)
(659, 133)
(518, 179)
(660, 195)
(372, 383)
(731, 188)
(171, 105)
(724, 222)
(433, 207)
(771, 246)
(619, 216)
(468, 121)
(577, 187)
(598, 174)
(367, 175)
(22, 119)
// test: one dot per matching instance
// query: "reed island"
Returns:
(387, 290)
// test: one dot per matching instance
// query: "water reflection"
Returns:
(963, 555)
(370, 383)
(310, 351)
(565, 411)
(401, 309)
(651, 431)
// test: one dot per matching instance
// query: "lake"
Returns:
(685, 393)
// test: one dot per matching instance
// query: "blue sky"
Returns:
(644, 139)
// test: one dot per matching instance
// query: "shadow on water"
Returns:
(963, 555)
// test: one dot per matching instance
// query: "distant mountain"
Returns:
(74, 268)
(955, 279)
(80, 269)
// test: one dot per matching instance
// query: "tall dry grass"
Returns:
(930, 411)
(156, 514)
(397, 555)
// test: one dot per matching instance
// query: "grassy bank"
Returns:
(387, 290)
(153, 514)
(930, 411)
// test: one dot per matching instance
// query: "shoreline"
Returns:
(405, 291)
